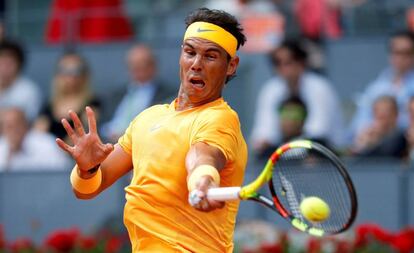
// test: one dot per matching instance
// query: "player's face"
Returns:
(204, 67)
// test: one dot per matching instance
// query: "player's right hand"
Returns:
(198, 197)
(88, 149)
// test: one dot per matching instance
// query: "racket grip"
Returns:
(221, 194)
(224, 193)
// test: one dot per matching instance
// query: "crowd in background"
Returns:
(297, 102)
(29, 125)
(380, 126)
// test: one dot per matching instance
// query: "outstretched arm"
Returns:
(88, 151)
(201, 154)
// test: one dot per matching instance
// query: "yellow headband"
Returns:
(213, 33)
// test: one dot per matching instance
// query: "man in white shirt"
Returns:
(22, 149)
(324, 121)
(16, 90)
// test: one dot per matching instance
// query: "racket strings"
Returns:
(302, 173)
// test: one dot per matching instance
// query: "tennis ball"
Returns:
(314, 209)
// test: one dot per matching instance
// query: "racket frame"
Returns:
(250, 191)
(278, 206)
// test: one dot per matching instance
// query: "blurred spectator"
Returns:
(70, 91)
(89, 21)
(2, 8)
(143, 90)
(292, 114)
(262, 22)
(239, 8)
(324, 118)
(318, 19)
(16, 90)
(396, 80)
(25, 149)
(382, 137)
(2, 31)
(409, 15)
(410, 130)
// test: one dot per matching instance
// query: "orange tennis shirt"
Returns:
(157, 214)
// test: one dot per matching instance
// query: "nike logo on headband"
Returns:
(199, 30)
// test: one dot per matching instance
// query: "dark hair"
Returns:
(404, 34)
(15, 50)
(221, 18)
(296, 49)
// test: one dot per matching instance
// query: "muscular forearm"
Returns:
(203, 163)
(201, 153)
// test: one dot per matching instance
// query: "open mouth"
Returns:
(198, 83)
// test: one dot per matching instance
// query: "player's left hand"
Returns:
(203, 204)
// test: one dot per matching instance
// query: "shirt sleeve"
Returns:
(125, 141)
(221, 131)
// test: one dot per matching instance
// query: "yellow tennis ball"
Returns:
(314, 209)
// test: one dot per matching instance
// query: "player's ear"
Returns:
(232, 66)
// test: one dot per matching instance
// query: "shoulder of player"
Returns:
(222, 113)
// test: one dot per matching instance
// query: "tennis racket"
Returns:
(295, 171)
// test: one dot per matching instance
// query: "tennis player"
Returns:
(193, 143)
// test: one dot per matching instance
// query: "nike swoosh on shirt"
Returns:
(155, 127)
(199, 30)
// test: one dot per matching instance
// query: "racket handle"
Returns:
(224, 193)
(221, 194)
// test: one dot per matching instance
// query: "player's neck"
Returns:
(184, 102)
